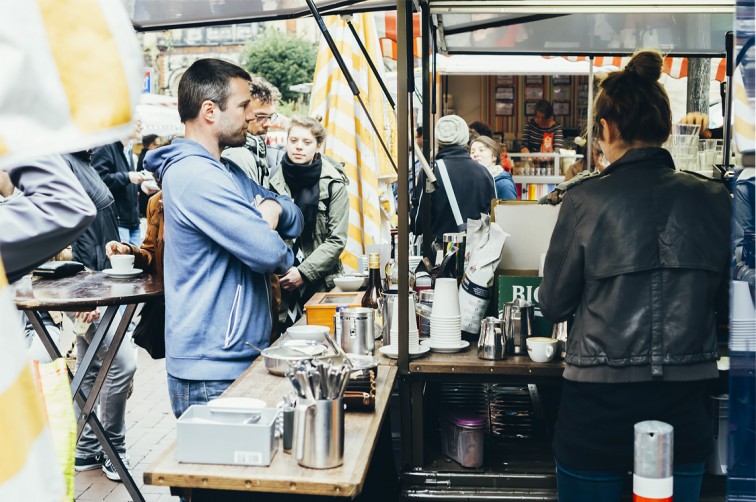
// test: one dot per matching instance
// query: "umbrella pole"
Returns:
(348, 76)
(370, 63)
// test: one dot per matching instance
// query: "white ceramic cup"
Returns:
(122, 262)
(542, 349)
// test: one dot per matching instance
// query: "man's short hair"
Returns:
(263, 91)
(206, 79)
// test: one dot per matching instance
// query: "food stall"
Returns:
(525, 470)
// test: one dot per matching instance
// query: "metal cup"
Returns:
(319, 433)
(491, 344)
(517, 320)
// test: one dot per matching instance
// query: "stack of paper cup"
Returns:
(743, 323)
(446, 324)
(414, 339)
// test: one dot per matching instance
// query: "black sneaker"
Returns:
(109, 469)
(89, 463)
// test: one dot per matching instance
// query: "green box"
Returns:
(525, 287)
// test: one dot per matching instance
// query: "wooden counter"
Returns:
(468, 363)
(284, 475)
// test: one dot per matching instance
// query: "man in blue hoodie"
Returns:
(223, 235)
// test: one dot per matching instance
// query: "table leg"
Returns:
(418, 422)
(44, 336)
(89, 356)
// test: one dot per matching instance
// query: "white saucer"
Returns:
(445, 349)
(240, 404)
(389, 351)
(131, 273)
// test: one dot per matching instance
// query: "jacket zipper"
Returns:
(234, 315)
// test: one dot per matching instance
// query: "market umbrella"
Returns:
(351, 139)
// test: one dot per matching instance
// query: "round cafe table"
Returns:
(78, 293)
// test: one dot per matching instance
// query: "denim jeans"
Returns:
(184, 393)
(115, 389)
(131, 235)
(574, 485)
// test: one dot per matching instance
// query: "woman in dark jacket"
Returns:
(639, 256)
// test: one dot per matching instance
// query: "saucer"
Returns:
(445, 349)
(393, 353)
(131, 273)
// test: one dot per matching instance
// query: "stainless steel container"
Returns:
(491, 343)
(425, 298)
(357, 331)
(388, 300)
(319, 433)
(517, 323)
(559, 333)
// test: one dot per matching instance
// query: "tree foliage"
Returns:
(282, 60)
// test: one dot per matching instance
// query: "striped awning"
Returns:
(674, 67)
(351, 139)
(385, 24)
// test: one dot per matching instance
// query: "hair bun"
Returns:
(646, 64)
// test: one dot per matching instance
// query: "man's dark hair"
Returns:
(263, 91)
(206, 79)
(544, 107)
(419, 131)
(481, 128)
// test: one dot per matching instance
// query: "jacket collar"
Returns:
(647, 155)
(453, 151)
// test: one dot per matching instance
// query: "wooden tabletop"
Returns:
(284, 475)
(85, 289)
(468, 363)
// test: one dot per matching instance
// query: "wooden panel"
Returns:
(284, 475)
(468, 363)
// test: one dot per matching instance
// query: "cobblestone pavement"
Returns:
(151, 428)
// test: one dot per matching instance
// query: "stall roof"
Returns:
(587, 27)
(151, 15)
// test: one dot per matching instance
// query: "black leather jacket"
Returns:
(640, 255)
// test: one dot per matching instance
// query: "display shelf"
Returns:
(537, 179)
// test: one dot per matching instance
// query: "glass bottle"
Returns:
(372, 297)
(392, 267)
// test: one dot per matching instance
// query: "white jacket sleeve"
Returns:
(52, 212)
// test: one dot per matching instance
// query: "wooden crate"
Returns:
(322, 306)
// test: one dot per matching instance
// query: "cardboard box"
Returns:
(524, 285)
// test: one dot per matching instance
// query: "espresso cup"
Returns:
(122, 262)
(541, 349)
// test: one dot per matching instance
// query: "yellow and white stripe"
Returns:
(351, 139)
(29, 468)
(72, 74)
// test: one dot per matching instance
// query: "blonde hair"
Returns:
(310, 123)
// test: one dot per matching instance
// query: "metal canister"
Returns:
(425, 298)
(358, 330)
(459, 240)
(337, 322)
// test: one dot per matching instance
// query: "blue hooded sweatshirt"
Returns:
(218, 252)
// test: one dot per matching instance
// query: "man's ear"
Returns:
(209, 111)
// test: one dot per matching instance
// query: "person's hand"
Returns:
(88, 316)
(148, 188)
(115, 247)
(699, 119)
(6, 187)
(270, 211)
(135, 177)
(292, 279)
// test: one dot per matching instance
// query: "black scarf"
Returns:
(304, 182)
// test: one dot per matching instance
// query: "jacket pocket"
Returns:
(233, 319)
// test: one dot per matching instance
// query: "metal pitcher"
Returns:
(559, 333)
(491, 343)
(517, 323)
(319, 433)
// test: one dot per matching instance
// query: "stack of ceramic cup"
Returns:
(743, 324)
(446, 322)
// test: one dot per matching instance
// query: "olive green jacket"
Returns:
(323, 250)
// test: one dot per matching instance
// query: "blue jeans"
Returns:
(131, 235)
(185, 393)
(574, 485)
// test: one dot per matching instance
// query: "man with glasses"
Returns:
(252, 157)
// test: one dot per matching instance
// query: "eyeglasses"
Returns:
(261, 118)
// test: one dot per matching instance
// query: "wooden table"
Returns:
(83, 292)
(284, 475)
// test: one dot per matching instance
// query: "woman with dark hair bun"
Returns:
(639, 256)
